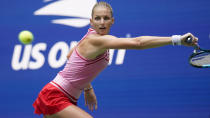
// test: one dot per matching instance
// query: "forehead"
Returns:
(102, 11)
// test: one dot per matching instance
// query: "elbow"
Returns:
(139, 44)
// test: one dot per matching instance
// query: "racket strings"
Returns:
(201, 59)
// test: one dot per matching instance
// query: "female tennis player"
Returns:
(58, 99)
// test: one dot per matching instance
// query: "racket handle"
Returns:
(189, 39)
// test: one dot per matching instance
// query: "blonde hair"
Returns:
(102, 4)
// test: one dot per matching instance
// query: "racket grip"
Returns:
(189, 39)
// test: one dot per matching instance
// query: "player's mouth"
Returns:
(102, 28)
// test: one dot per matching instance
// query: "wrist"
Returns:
(88, 89)
(176, 40)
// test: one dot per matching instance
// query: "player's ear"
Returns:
(112, 20)
(91, 22)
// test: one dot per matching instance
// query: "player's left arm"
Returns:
(90, 97)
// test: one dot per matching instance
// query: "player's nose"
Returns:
(102, 21)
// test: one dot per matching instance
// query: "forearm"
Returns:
(145, 42)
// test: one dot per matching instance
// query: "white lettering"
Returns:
(60, 46)
(23, 64)
(37, 56)
(111, 53)
(120, 57)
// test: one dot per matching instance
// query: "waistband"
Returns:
(66, 87)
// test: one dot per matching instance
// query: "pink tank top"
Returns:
(79, 72)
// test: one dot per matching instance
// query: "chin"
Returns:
(104, 33)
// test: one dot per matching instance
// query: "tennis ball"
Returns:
(25, 37)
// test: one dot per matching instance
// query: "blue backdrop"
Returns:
(152, 83)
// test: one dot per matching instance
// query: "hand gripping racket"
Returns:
(200, 58)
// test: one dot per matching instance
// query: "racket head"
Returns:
(200, 59)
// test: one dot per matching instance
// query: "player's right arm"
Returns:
(142, 42)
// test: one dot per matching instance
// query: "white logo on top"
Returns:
(78, 12)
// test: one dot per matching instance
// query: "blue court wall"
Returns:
(152, 83)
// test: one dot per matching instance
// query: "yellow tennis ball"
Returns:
(25, 37)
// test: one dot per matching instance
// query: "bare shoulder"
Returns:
(98, 40)
(101, 37)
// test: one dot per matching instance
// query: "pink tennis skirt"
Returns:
(51, 100)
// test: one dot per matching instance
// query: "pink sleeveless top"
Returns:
(79, 72)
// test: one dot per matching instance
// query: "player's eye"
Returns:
(106, 18)
(97, 18)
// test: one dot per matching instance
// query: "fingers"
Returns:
(96, 106)
(85, 102)
(195, 40)
(92, 107)
(91, 104)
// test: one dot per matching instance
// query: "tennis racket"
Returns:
(200, 58)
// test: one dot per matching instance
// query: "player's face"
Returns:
(102, 20)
